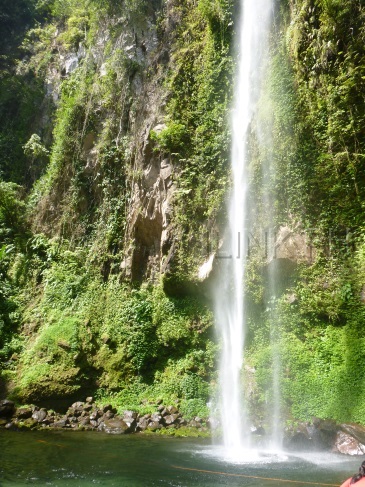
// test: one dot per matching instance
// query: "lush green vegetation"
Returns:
(316, 111)
(81, 328)
(73, 160)
(197, 133)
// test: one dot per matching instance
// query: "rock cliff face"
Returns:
(150, 230)
(120, 151)
(127, 54)
(102, 212)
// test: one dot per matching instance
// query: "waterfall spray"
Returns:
(253, 31)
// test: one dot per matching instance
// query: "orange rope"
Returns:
(252, 476)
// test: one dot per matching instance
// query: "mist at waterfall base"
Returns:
(82, 459)
(252, 46)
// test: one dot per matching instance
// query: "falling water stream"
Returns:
(254, 26)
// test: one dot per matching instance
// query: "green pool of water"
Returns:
(87, 459)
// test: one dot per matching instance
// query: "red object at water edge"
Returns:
(359, 483)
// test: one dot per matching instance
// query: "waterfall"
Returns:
(264, 123)
(253, 29)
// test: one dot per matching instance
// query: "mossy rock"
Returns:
(42, 382)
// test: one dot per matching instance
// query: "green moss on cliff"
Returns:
(201, 89)
(318, 113)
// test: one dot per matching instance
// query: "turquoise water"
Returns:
(87, 459)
